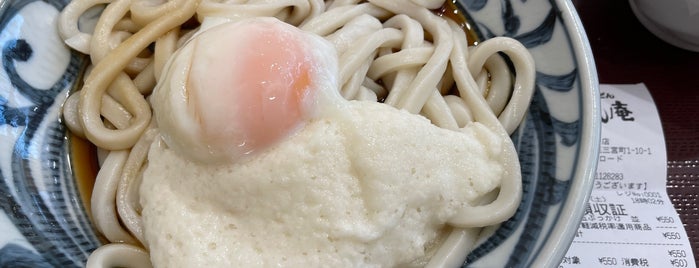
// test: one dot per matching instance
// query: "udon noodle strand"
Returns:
(398, 52)
(333, 19)
(108, 69)
(119, 255)
(436, 107)
(146, 79)
(430, 74)
(504, 206)
(356, 56)
(164, 47)
(127, 202)
(107, 38)
(104, 195)
(497, 94)
(68, 24)
(400, 79)
(291, 11)
(512, 115)
(406, 64)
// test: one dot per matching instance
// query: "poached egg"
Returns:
(262, 163)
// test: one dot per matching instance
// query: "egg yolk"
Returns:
(248, 86)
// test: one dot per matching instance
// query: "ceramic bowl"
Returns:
(45, 173)
(673, 21)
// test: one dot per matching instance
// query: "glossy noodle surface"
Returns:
(180, 96)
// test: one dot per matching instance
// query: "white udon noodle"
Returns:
(396, 51)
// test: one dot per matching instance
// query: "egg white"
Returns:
(180, 121)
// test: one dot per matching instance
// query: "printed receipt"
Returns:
(629, 220)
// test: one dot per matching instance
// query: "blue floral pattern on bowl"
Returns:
(43, 219)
